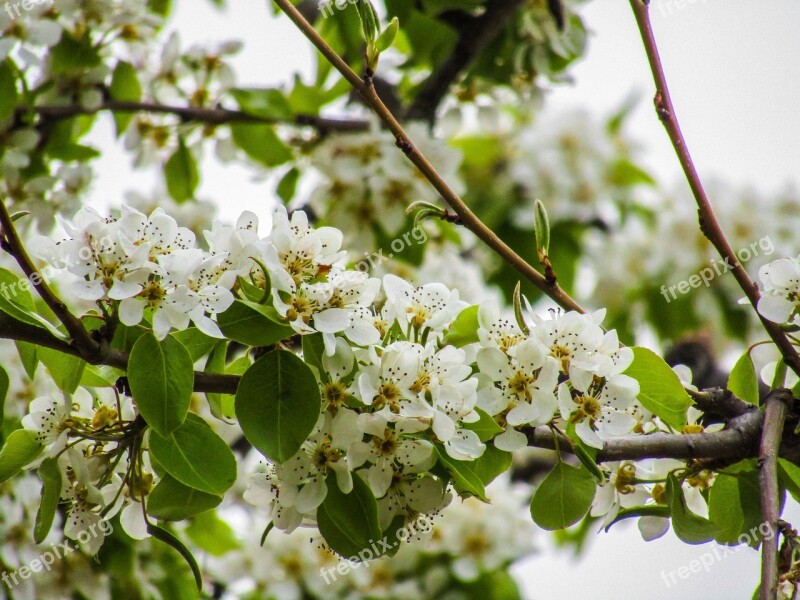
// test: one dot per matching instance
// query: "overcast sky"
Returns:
(732, 66)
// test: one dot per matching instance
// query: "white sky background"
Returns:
(732, 69)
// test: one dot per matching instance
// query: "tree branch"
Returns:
(473, 38)
(775, 415)
(211, 116)
(469, 219)
(11, 329)
(738, 440)
(82, 339)
(709, 224)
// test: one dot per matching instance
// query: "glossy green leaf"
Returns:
(349, 522)
(50, 474)
(125, 87)
(689, 527)
(743, 381)
(278, 404)
(171, 500)
(261, 143)
(486, 427)
(195, 456)
(19, 450)
(466, 481)
(171, 540)
(181, 173)
(161, 377)
(563, 497)
(211, 534)
(253, 324)
(464, 329)
(660, 390)
(65, 369)
(8, 90)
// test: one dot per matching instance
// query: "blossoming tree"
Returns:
(367, 370)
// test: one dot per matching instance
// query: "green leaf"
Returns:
(99, 376)
(28, 357)
(261, 143)
(20, 449)
(465, 479)
(196, 342)
(125, 87)
(195, 456)
(270, 103)
(495, 585)
(388, 35)
(211, 534)
(65, 369)
(16, 301)
(492, 463)
(168, 538)
(313, 351)
(161, 377)
(349, 522)
(650, 510)
(743, 381)
(486, 427)
(541, 228)
(563, 497)
(8, 90)
(73, 54)
(181, 173)
(50, 474)
(464, 329)
(660, 390)
(288, 185)
(689, 527)
(789, 474)
(221, 404)
(278, 404)
(253, 324)
(171, 500)
(369, 19)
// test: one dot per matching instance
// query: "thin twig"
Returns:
(211, 116)
(774, 417)
(469, 219)
(709, 224)
(81, 338)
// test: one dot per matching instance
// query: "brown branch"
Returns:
(709, 224)
(774, 417)
(473, 37)
(738, 440)
(11, 329)
(468, 218)
(211, 116)
(81, 338)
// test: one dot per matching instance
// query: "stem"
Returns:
(212, 116)
(468, 218)
(709, 224)
(774, 417)
(82, 339)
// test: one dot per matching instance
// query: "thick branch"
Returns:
(11, 329)
(211, 116)
(473, 38)
(81, 338)
(739, 440)
(469, 219)
(775, 415)
(708, 221)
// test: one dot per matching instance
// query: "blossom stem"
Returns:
(709, 224)
(364, 87)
